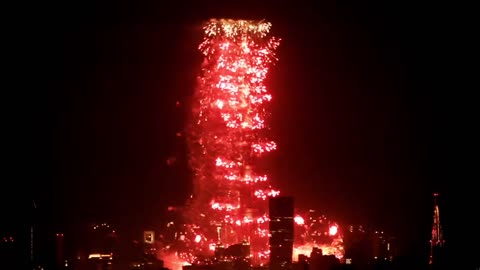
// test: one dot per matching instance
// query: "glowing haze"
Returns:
(227, 136)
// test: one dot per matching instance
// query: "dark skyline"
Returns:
(353, 110)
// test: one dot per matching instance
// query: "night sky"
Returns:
(353, 110)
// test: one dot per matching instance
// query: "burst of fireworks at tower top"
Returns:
(234, 28)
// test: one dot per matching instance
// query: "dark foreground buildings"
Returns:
(281, 232)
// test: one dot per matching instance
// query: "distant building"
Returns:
(101, 246)
(9, 251)
(318, 261)
(383, 246)
(102, 239)
(365, 247)
(59, 247)
(302, 263)
(281, 232)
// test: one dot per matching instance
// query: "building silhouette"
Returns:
(281, 232)
(318, 261)
(437, 250)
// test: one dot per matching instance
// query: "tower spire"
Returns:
(437, 241)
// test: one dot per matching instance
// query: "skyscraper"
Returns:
(228, 133)
(281, 231)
